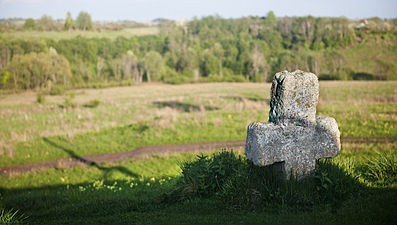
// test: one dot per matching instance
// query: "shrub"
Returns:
(38, 70)
(92, 104)
(40, 98)
(57, 90)
(240, 184)
(68, 102)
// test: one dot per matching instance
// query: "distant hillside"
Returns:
(209, 49)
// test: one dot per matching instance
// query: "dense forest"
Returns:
(202, 50)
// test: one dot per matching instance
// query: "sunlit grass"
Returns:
(171, 115)
(133, 191)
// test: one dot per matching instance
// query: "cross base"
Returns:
(297, 145)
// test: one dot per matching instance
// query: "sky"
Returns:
(145, 10)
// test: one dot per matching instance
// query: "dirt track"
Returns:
(158, 150)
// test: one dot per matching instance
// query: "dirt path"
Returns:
(158, 150)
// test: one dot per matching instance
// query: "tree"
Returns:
(69, 22)
(29, 24)
(83, 21)
(258, 70)
(153, 64)
(38, 70)
(47, 23)
(218, 51)
(271, 19)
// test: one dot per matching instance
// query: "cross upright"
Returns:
(294, 137)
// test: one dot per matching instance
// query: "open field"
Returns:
(135, 116)
(133, 191)
(58, 35)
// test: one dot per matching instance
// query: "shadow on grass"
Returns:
(84, 203)
(106, 170)
(252, 98)
(183, 107)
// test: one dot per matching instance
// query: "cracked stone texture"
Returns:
(294, 136)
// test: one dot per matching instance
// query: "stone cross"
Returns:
(295, 137)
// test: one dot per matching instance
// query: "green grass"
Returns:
(131, 117)
(133, 192)
(58, 35)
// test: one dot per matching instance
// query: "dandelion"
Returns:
(152, 179)
(147, 184)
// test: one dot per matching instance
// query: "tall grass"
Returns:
(11, 217)
(240, 184)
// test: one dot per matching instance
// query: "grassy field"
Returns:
(132, 192)
(129, 117)
(125, 118)
(58, 35)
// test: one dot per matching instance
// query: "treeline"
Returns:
(205, 50)
(83, 21)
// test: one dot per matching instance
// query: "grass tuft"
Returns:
(8, 217)
(40, 98)
(381, 170)
(240, 184)
(92, 104)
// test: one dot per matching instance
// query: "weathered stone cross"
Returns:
(295, 137)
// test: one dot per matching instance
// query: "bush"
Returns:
(40, 98)
(240, 184)
(57, 90)
(38, 70)
(68, 103)
(206, 176)
(92, 104)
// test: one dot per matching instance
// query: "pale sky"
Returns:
(144, 10)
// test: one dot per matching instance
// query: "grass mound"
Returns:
(239, 184)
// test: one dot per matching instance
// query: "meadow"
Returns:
(59, 35)
(36, 128)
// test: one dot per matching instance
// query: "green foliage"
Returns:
(206, 176)
(240, 184)
(382, 169)
(271, 19)
(40, 98)
(93, 103)
(83, 21)
(30, 24)
(68, 102)
(213, 49)
(68, 21)
(47, 23)
(57, 90)
(11, 217)
(154, 65)
(38, 70)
